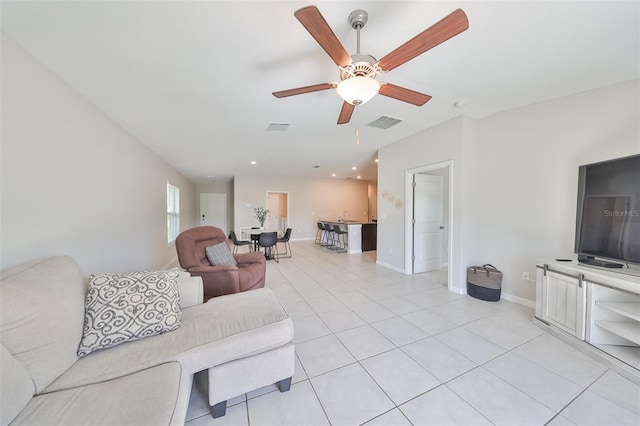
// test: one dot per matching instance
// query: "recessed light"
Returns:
(211, 177)
(333, 175)
(253, 163)
(358, 176)
(353, 168)
(376, 160)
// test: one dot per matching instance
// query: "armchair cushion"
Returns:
(219, 254)
(122, 308)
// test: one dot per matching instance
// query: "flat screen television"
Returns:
(608, 213)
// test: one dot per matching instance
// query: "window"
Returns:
(173, 212)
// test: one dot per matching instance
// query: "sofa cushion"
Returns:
(223, 329)
(149, 397)
(16, 386)
(41, 314)
(219, 254)
(124, 307)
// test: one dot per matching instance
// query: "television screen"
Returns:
(608, 214)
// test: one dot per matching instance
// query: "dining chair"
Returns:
(238, 243)
(285, 240)
(269, 240)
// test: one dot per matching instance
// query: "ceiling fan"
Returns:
(358, 72)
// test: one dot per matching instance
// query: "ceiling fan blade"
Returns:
(315, 23)
(345, 113)
(441, 31)
(301, 90)
(404, 94)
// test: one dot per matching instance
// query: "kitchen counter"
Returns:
(349, 222)
(362, 236)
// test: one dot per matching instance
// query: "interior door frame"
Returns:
(408, 224)
(288, 202)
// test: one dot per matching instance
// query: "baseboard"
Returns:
(519, 300)
(393, 268)
(458, 290)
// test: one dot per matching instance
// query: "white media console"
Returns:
(598, 306)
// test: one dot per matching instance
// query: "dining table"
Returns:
(254, 235)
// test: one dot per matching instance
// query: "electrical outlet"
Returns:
(525, 276)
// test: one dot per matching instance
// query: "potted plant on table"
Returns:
(261, 215)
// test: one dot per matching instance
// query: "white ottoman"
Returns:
(258, 346)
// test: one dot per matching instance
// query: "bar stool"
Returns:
(339, 231)
(319, 233)
(328, 236)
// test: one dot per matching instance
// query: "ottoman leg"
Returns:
(219, 410)
(284, 385)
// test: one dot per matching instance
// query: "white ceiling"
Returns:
(192, 80)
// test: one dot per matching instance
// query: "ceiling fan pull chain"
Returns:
(357, 125)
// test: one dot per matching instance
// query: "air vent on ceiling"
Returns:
(384, 122)
(278, 127)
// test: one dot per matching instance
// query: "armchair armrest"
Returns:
(217, 280)
(190, 288)
(249, 258)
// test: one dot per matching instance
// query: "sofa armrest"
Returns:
(191, 289)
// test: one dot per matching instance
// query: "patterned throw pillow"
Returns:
(219, 254)
(126, 307)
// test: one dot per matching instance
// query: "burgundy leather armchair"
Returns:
(218, 280)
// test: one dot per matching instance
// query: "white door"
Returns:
(427, 217)
(213, 210)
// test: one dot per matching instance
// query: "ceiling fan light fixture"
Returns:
(358, 90)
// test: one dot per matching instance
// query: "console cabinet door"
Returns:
(563, 302)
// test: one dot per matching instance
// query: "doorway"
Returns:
(278, 205)
(428, 219)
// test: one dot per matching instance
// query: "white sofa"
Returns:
(244, 340)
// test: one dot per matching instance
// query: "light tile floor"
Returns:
(378, 347)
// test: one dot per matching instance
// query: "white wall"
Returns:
(439, 144)
(528, 174)
(514, 179)
(310, 200)
(74, 182)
